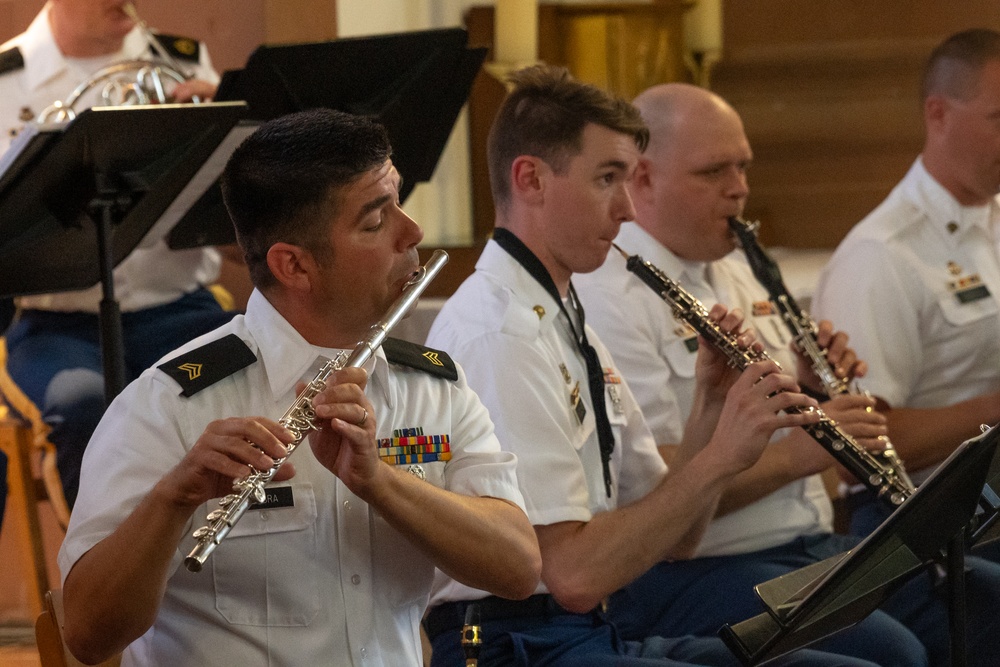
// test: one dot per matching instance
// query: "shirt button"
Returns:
(263, 515)
(364, 651)
(347, 504)
(356, 579)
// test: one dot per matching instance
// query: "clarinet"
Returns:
(472, 635)
(300, 418)
(803, 328)
(881, 480)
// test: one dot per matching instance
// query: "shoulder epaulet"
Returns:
(11, 60)
(184, 48)
(419, 357)
(206, 365)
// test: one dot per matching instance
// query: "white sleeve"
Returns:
(863, 292)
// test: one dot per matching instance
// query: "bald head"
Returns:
(671, 109)
(692, 176)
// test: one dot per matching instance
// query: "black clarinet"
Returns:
(882, 480)
(803, 328)
(472, 635)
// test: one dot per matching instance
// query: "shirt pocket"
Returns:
(265, 571)
(681, 355)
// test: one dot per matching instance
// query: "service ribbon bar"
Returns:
(413, 448)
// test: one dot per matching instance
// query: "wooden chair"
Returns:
(48, 635)
(23, 438)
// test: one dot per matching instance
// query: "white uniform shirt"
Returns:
(326, 582)
(916, 284)
(520, 357)
(153, 274)
(657, 355)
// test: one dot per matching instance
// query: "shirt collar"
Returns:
(633, 239)
(943, 211)
(287, 357)
(498, 262)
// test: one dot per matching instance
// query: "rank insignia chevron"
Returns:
(193, 370)
(432, 357)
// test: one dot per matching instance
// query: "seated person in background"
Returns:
(603, 504)
(775, 516)
(53, 350)
(337, 571)
(917, 282)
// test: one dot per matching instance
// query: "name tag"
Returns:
(970, 294)
(279, 496)
(686, 332)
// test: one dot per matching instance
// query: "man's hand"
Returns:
(712, 371)
(188, 90)
(345, 443)
(856, 416)
(842, 359)
(754, 410)
(228, 450)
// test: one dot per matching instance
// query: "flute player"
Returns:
(335, 567)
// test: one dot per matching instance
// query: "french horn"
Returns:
(126, 82)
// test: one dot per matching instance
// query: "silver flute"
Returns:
(803, 329)
(300, 418)
(880, 478)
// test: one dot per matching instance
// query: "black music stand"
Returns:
(76, 199)
(414, 83)
(814, 602)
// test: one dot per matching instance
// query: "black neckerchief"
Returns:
(595, 376)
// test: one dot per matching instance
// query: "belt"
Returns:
(451, 615)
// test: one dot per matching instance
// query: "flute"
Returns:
(300, 418)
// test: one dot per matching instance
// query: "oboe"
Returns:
(803, 328)
(300, 418)
(880, 479)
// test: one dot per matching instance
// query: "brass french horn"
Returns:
(126, 82)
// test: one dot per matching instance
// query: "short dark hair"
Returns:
(282, 183)
(544, 116)
(954, 66)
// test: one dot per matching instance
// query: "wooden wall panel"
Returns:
(829, 94)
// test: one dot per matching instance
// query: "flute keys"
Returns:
(226, 501)
(215, 515)
(203, 533)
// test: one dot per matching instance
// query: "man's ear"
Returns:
(935, 107)
(527, 178)
(641, 177)
(641, 184)
(293, 266)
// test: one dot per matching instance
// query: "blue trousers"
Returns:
(699, 596)
(56, 360)
(588, 640)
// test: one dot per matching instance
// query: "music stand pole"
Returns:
(102, 209)
(956, 600)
